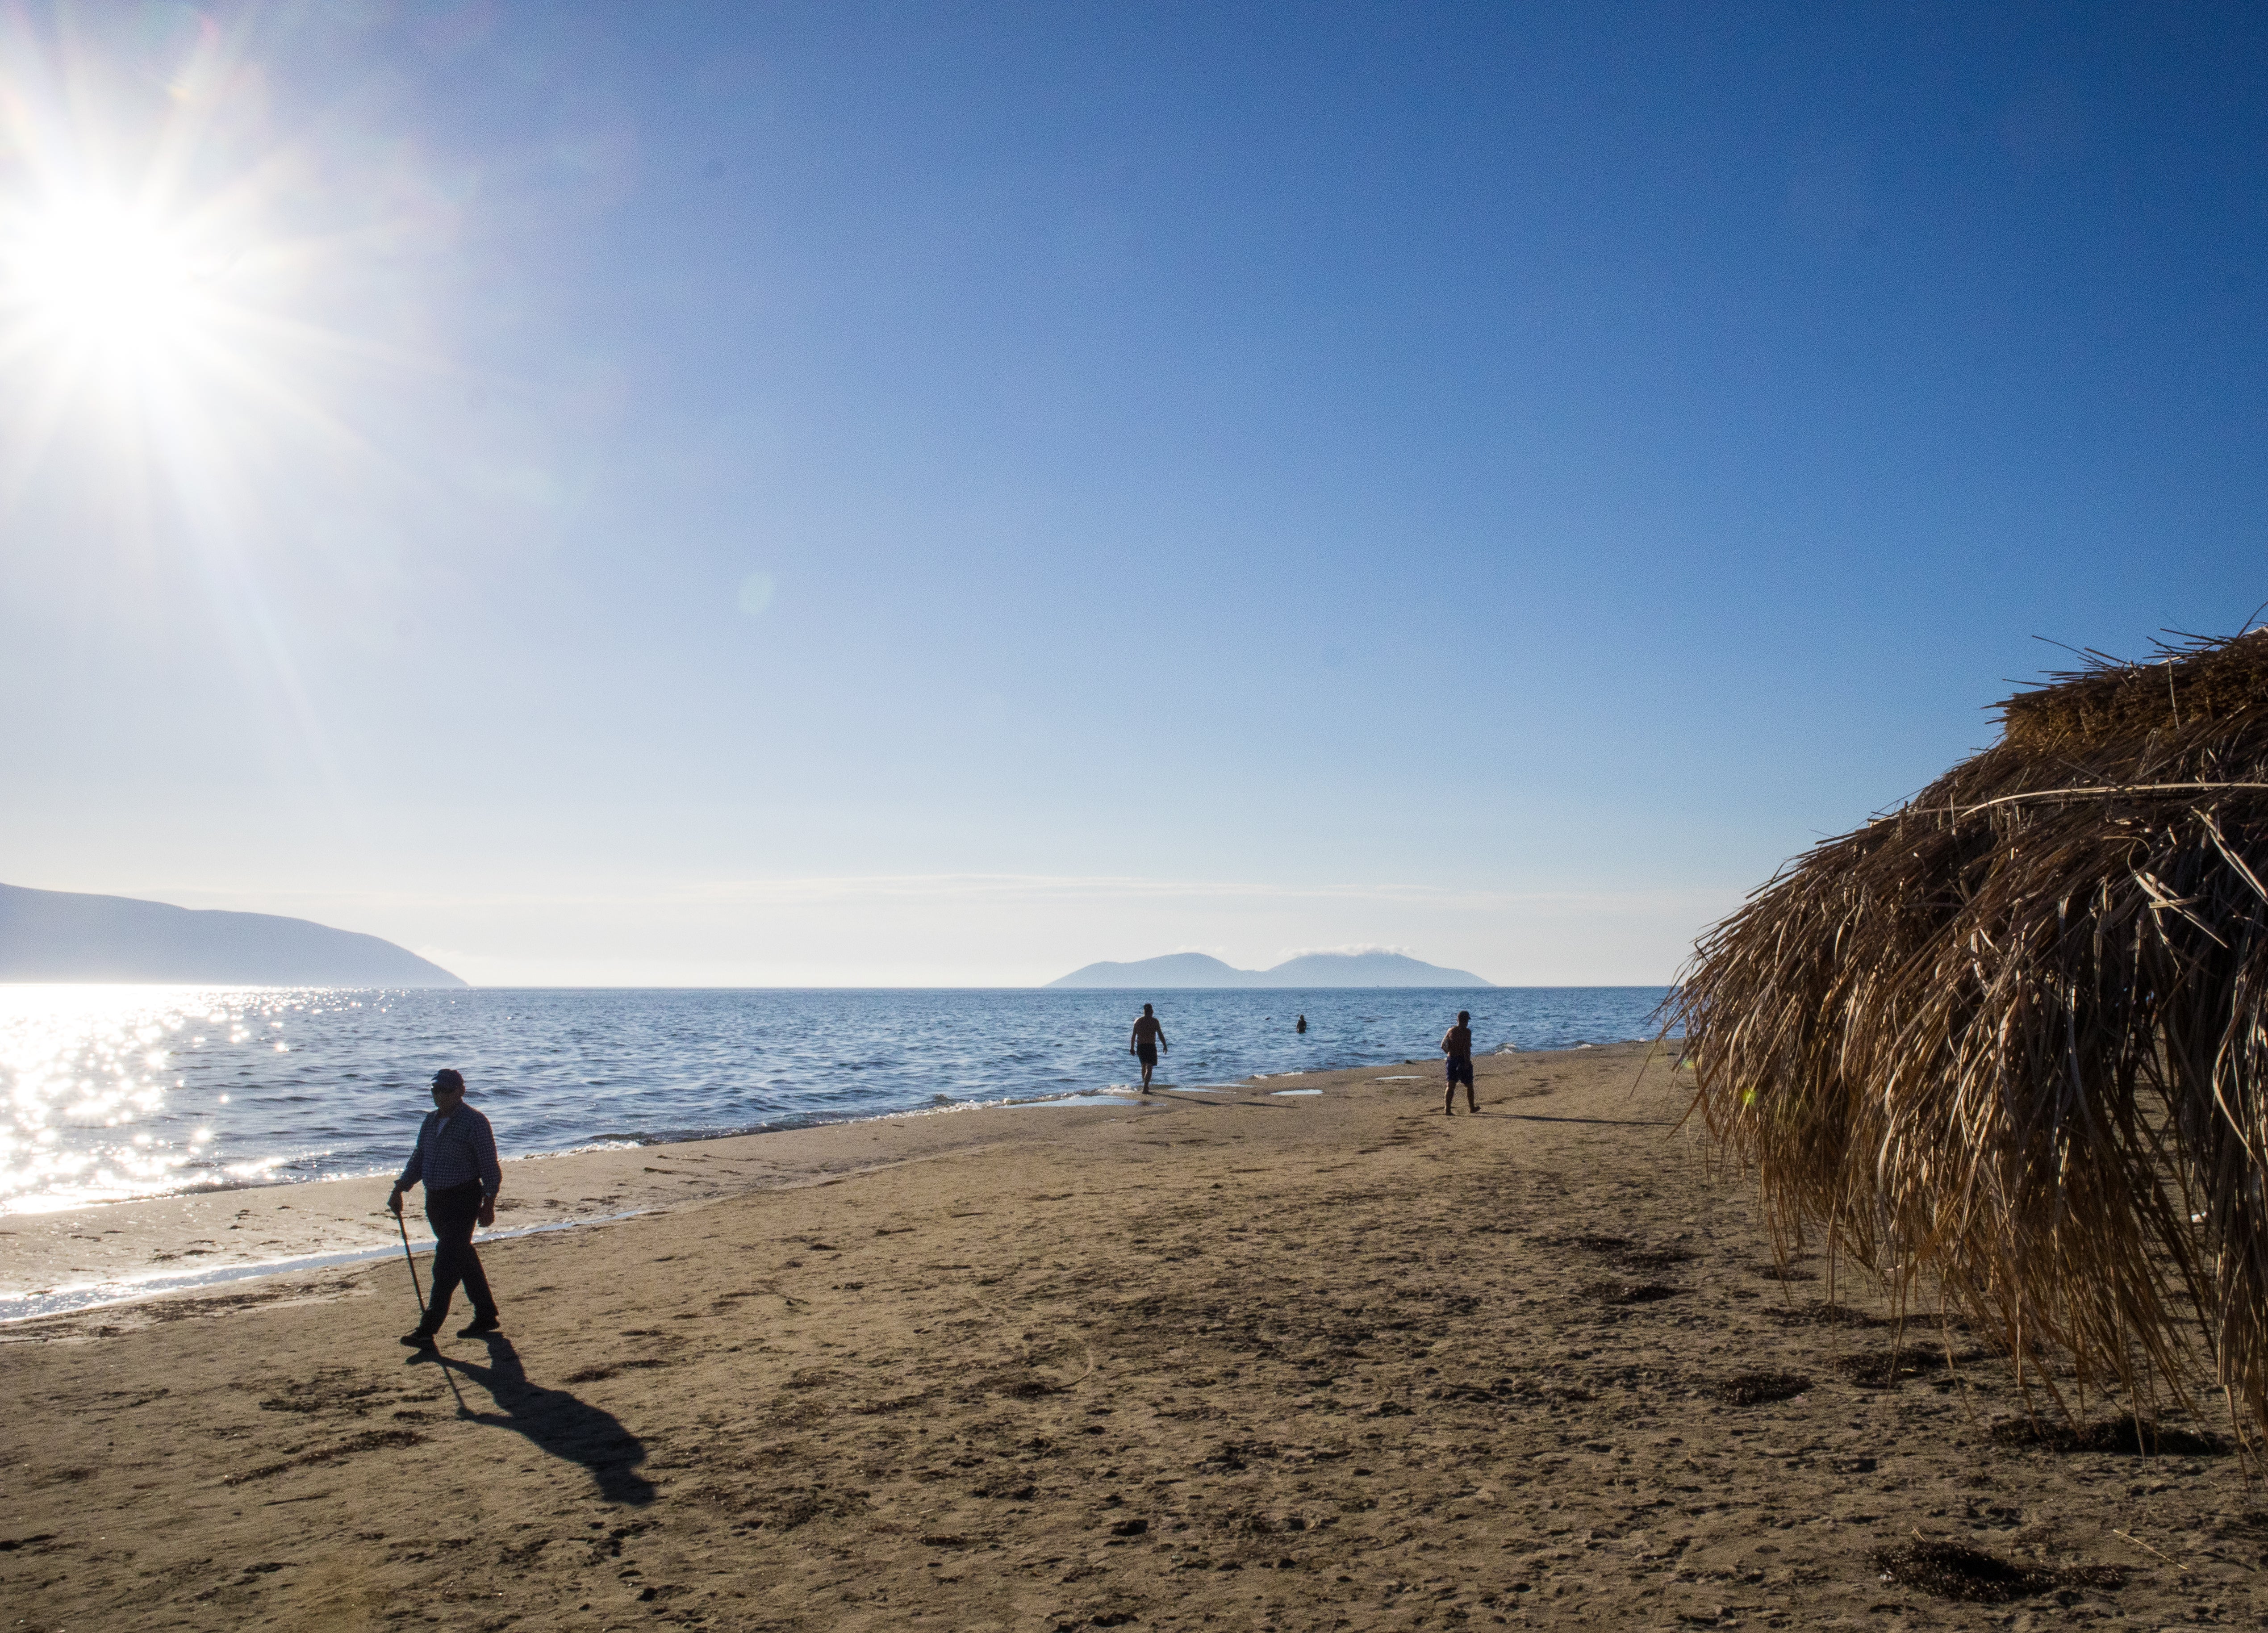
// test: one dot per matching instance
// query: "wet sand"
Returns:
(1243, 1360)
(217, 1232)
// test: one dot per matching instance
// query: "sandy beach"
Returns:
(1243, 1359)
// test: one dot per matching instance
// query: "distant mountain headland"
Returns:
(60, 935)
(1311, 969)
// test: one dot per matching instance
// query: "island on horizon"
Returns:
(70, 936)
(1178, 971)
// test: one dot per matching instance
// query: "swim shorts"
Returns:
(1147, 1054)
(1461, 1070)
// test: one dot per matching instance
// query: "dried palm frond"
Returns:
(2014, 1035)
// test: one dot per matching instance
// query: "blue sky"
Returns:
(939, 495)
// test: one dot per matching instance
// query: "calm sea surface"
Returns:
(116, 1091)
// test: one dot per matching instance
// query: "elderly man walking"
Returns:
(456, 1158)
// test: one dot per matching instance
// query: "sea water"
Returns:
(119, 1091)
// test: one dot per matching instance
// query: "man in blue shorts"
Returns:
(1457, 1044)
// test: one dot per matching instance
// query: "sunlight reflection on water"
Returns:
(94, 1084)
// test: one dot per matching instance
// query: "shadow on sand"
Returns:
(553, 1420)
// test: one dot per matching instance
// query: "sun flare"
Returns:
(186, 292)
(98, 276)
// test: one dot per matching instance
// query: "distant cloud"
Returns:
(1006, 889)
(1354, 949)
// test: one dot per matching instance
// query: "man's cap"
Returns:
(450, 1078)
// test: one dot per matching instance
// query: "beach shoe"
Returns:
(480, 1325)
(419, 1340)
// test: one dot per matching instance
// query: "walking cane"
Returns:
(408, 1260)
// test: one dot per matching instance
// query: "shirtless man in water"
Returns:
(1457, 1045)
(1149, 1037)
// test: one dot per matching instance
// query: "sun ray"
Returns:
(184, 364)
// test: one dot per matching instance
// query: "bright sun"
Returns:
(167, 276)
(101, 277)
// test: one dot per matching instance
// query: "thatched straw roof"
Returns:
(2014, 1036)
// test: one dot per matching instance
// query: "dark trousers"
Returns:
(452, 1213)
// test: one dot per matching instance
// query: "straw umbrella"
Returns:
(2013, 1036)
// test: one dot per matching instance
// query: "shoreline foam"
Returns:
(341, 1218)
